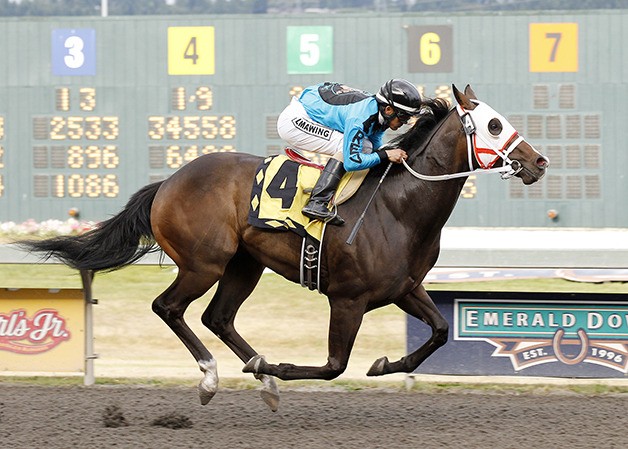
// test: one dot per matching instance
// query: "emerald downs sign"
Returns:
(537, 334)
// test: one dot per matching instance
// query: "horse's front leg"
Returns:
(345, 320)
(419, 305)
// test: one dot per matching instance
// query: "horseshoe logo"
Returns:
(584, 347)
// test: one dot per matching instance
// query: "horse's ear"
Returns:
(469, 92)
(462, 99)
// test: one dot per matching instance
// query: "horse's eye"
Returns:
(495, 127)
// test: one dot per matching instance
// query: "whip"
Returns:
(358, 224)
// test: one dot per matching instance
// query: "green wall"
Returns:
(90, 132)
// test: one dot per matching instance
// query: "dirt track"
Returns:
(64, 417)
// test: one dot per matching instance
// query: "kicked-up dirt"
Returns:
(159, 417)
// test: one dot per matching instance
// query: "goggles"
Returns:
(403, 116)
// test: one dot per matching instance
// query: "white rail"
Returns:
(534, 248)
(487, 248)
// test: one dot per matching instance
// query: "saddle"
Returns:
(281, 188)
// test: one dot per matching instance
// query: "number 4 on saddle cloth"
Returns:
(281, 188)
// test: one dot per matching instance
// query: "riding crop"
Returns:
(358, 224)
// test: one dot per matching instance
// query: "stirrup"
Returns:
(328, 217)
(335, 220)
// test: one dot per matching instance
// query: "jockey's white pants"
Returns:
(302, 133)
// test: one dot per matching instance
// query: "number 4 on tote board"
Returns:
(73, 51)
(191, 50)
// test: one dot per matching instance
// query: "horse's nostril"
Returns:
(542, 162)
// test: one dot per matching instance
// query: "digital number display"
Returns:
(87, 99)
(90, 186)
(208, 127)
(469, 189)
(74, 155)
(202, 98)
(183, 138)
(93, 157)
(76, 128)
(440, 91)
(176, 156)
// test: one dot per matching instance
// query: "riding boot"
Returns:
(318, 206)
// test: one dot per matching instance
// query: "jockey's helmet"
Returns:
(402, 96)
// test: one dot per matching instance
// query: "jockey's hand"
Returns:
(396, 155)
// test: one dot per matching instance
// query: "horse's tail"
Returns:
(115, 243)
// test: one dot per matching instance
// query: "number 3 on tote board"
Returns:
(73, 51)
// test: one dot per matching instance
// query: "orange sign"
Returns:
(42, 330)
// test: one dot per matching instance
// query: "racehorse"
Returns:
(198, 217)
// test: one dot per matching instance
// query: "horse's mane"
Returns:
(436, 109)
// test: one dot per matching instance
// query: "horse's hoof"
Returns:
(208, 386)
(269, 392)
(271, 399)
(254, 364)
(205, 394)
(379, 367)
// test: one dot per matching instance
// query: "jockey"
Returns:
(347, 124)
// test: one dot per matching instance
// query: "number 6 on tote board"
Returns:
(430, 49)
(73, 51)
(191, 51)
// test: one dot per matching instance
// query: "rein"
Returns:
(508, 170)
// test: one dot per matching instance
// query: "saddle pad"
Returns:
(279, 194)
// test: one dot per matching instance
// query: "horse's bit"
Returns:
(482, 144)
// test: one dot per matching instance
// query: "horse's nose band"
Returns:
(499, 148)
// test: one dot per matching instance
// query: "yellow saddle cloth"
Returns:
(282, 187)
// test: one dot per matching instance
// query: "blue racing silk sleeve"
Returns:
(350, 120)
(353, 146)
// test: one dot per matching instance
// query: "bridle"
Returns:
(482, 146)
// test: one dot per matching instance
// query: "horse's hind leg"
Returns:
(419, 305)
(238, 281)
(344, 323)
(171, 306)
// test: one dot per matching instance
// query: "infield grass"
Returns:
(281, 320)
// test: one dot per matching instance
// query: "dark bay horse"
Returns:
(198, 217)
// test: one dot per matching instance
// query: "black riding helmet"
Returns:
(402, 96)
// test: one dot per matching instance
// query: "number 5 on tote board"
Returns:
(310, 49)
